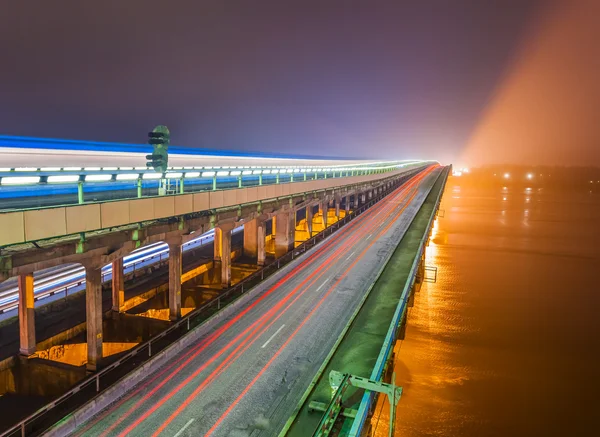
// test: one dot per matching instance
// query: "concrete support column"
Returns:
(363, 199)
(347, 205)
(118, 285)
(217, 244)
(284, 233)
(309, 219)
(93, 316)
(26, 315)
(337, 206)
(225, 259)
(251, 238)
(175, 269)
(260, 246)
(324, 207)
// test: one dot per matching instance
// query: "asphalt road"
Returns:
(248, 375)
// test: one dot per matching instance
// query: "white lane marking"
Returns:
(272, 337)
(321, 286)
(350, 256)
(370, 235)
(184, 428)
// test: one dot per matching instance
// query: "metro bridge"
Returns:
(255, 274)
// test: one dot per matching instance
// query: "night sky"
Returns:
(396, 79)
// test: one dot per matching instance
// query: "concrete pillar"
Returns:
(260, 246)
(217, 244)
(363, 199)
(309, 219)
(251, 238)
(324, 207)
(175, 269)
(226, 259)
(26, 314)
(337, 206)
(118, 285)
(347, 205)
(93, 316)
(284, 233)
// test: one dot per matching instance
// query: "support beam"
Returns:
(260, 249)
(93, 315)
(217, 244)
(175, 269)
(118, 285)
(284, 233)
(226, 259)
(26, 315)
(309, 219)
(324, 207)
(251, 238)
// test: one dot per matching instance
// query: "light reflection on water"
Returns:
(505, 342)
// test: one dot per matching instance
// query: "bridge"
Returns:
(229, 298)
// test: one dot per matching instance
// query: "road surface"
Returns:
(247, 376)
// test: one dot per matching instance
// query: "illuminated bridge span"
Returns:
(245, 290)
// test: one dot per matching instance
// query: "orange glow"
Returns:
(545, 110)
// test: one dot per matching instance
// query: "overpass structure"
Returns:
(288, 203)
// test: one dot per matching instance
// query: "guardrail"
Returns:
(366, 402)
(91, 386)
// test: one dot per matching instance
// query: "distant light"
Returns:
(247, 172)
(63, 178)
(127, 176)
(109, 168)
(192, 174)
(529, 176)
(20, 180)
(256, 171)
(125, 168)
(4, 169)
(50, 169)
(465, 170)
(152, 176)
(72, 168)
(92, 168)
(140, 168)
(266, 171)
(506, 175)
(208, 174)
(222, 173)
(175, 175)
(457, 173)
(26, 169)
(98, 177)
(236, 173)
(504, 198)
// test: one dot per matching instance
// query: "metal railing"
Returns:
(366, 403)
(103, 379)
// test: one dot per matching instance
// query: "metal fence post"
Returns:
(150, 348)
(97, 383)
